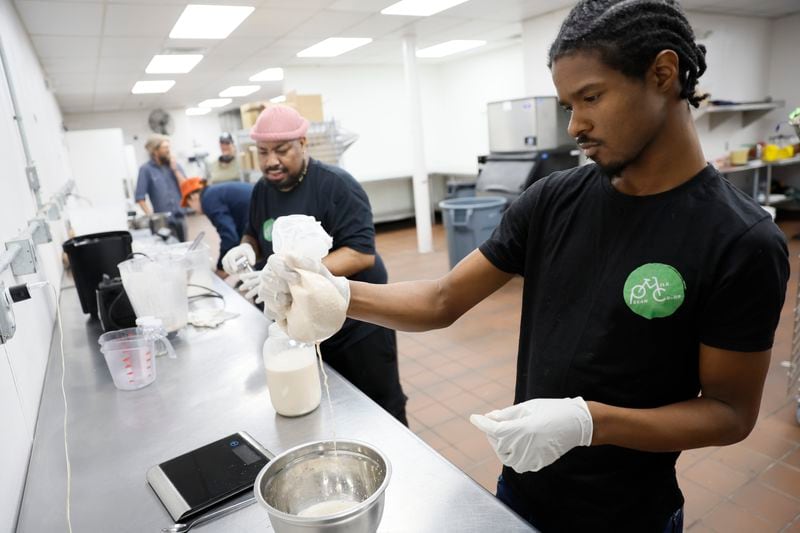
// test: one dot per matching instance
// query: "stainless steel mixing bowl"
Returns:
(313, 473)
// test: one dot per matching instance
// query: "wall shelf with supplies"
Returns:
(750, 111)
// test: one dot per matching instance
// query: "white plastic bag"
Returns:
(318, 310)
(301, 235)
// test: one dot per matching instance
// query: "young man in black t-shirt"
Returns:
(652, 288)
(364, 353)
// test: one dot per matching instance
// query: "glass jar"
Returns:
(292, 374)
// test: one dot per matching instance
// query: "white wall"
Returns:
(28, 351)
(191, 134)
(97, 160)
(461, 131)
(538, 33)
(371, 101)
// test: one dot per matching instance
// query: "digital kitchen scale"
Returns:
(195, 481)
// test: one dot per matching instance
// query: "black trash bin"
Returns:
(91, 256)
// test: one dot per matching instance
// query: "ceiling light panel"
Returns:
(209, 22)
(420, 8)
(449, 48)
(195, 111)
(215, 102)
(270, 74)
(335, 46)
(234, 91)
(173, 63)
(152, 86)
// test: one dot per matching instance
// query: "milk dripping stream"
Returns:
(328, 396)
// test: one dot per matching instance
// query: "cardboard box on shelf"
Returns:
(245, 163)
(250, 112)
(253, 151)
(308, 105)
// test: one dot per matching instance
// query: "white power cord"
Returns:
(64, 396)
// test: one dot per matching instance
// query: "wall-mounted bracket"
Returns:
(40, 231)
(24, 262)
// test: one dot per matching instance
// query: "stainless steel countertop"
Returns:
(215, 387)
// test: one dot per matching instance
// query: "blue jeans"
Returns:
(504, 494)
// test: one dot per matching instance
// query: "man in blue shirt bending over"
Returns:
(227, 206)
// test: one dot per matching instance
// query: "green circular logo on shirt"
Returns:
(266, 229)
(654, 290)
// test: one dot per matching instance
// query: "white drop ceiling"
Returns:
(94, 51)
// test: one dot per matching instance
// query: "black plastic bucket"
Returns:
(91, 256)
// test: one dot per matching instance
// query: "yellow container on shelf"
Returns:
(740, 156)
(771, 152)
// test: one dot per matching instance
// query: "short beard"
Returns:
(285, 185)
(613, 170)
(290, 182)
(163, 160)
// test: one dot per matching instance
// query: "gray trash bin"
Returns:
(460, 189)
(469, 222)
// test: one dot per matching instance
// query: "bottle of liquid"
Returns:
(292, 374)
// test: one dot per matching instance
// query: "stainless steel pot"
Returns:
(310, 474)
(158, 221)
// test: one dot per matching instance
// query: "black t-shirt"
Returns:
(619, 292)
(339, 203)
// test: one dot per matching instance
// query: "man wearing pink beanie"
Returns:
(293, 183)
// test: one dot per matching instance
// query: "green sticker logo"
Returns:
(266, 229)
(654, 290)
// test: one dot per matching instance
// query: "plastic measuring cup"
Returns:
(133, 365)
(148, 332)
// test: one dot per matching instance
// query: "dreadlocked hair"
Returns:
(629, 34)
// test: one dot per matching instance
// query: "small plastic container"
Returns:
(132, 366)
(131, 353)
(292, 374)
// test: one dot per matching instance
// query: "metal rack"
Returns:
(327, 141)
(793, 386)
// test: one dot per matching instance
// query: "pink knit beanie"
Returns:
(279, 123)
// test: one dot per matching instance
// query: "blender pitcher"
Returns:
(157, 287)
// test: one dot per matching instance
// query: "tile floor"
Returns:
(753, 486)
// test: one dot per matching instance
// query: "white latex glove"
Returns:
(234, 254)
(533, 434)
(281, 271)
(250, 282)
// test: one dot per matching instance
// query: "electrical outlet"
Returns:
(7, 325)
